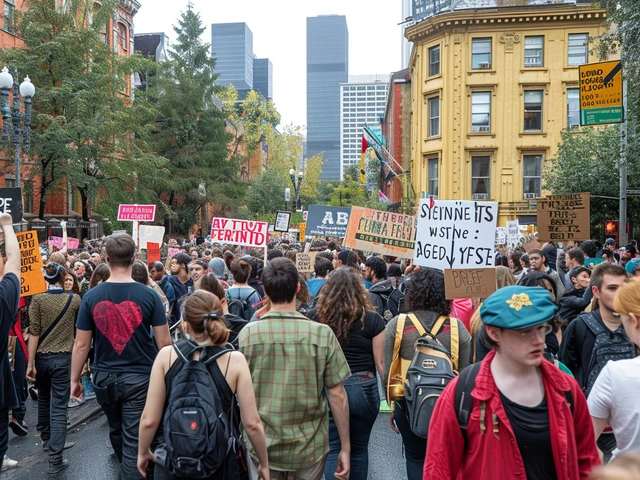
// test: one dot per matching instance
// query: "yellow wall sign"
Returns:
(601, 93)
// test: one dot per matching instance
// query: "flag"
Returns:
(382, 197)
(365, 147)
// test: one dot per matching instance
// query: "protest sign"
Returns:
(513, 233)
(455, 234)
(305, 262)
(562, 218)
(324, 221)
(72, 243)
(282, 222)
(11, 203)
(173, 251)
(384, 233)
(592, 262)
(151, 233)
(31, 278)
(501, 236)
(302, 226)
(239, 232)
(153, 252)
(469, 283)
(136, 213)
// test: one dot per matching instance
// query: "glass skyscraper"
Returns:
(263, 77)
(232, 45)
(327, 68)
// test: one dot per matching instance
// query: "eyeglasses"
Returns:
(531, 333)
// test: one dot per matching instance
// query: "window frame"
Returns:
(586, 49)
(540, 48)
(577, 111)
(477, 41)
(539, 158)
(476, 128)
(8, 11)
(431, 118)
(430, 180)
(479, 157)
(540, 111)
(435, 48)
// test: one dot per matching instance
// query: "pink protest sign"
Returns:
(239, 232)
(72, 243)
(136, 213)
(173, 251)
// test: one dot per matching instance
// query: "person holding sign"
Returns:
(9, 296)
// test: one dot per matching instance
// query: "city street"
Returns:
(92, 458)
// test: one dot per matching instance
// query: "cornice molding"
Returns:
(131, 6)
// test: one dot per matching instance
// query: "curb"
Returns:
(85, 417)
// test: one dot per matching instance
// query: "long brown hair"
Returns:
(203, 312)
(343, 300)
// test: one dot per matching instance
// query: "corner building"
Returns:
(492, 90)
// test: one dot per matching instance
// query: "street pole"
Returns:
(15, 114)
(623, 238)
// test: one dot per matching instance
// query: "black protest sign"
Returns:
(11, 202)
(324, 221)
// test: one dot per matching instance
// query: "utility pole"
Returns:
(624, 234)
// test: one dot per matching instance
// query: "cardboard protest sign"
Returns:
(72, 243)
(239, 232)
(305, 262)
(282, 222)
(324, 221)
(31, 278)
(153, 252)
(11, 202)
(302, 226)
(455, 234)
(562, 218)
(501, 236)
(384, 233)
(469, 283)
(173, 251)
(151, 233)
(513, 233)
(136, 213)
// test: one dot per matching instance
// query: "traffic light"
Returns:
(611, 228)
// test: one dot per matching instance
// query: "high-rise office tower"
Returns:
(327, 67)
(232, 45)
(263, 77)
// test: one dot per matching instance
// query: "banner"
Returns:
(305, 262)
(72, 243)
(302, 227)
(324, 221)
(151, 233)
(239, 232)
(31, 278)
(384, 233)
(501, 236)
(564, 217)
(11, 202)
(469, 283)
(153, 252)
(136, 213)
(282, 222)
(455, 234)
(513, 233)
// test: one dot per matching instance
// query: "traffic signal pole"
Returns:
(622, 228)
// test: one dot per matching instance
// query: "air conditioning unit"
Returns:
(528, 196)
(484, 65)
(573, 126)
(480, 196)
(482, 129)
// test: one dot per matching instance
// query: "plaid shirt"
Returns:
(292, 359)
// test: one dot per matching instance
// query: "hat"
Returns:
(578, 270)
(632, 265)
(52, 271)
(610, 241)
(218, 267)
(631, 249)
(394, 270)
(517, 307)
(343, 256)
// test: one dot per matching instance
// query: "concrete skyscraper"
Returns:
(232, 45)
(327, 68)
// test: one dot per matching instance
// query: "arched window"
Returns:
(122, 36)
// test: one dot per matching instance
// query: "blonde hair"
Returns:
(625, 466)
(627, 299)
(203, 312)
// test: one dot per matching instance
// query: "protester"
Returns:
(52, 318)
(218, 268)
(203, 323)
(578, 298)
(140, 274)
(344, 306)
(157, 274)
(322, 268)
(298, 359)
(121, 314)
(632, 267)
(523, 416)
(71, 281)
(626, 466)
(20, 356)
(254, 277)
(234, 323)
(375, 271)
(241, 291)
(574, 259)
(180, 280)
(394, 274)
(537, 262)
(197, 268)
(100, 274)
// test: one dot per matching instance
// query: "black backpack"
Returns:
(241, 307)
(395, 301)
(197, 432)
(387, 314)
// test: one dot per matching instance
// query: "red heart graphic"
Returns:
(117, 322)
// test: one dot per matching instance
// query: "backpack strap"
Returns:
(463, 399)
(417, 324)
(592, 324)
(455, 342)
(399, 331)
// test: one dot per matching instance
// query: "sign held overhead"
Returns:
(564, 217)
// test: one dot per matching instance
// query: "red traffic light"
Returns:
(611, 227)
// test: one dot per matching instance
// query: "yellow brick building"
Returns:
(492, 90)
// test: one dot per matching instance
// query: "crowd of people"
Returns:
(221, 364)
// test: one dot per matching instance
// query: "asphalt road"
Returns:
(92, 458)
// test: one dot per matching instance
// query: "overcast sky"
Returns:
(279, 33)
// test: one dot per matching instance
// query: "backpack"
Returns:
(395, 301)
(197, 431)
(387, 314)
(432, 368)
(608, 346)
(241, 307)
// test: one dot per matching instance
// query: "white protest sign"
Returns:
(455, 234)
(152, 234)
(501, 236)
(513, 233)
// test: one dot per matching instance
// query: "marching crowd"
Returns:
(220, 364)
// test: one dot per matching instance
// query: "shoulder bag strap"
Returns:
(455, 342)
(56, 321)
(399, 331)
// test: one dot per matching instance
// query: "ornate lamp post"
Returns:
(296, 186)
(16, 125)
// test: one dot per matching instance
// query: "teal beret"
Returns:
(631, 266)
(517, 307)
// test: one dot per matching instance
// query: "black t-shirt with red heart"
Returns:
(121, 316)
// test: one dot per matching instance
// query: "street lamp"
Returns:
(296, 186)
(21, 131)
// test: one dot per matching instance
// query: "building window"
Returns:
(122, 35)
(481, 53)
(9, 181)
(27, 194)
(573, 108)
(532, 167)
(434, 60)
(8, 24)
(434, 117)
(533, 111)
(481, 112)
(481, 177)
(433, 176)
(533, 51)
(578, 49)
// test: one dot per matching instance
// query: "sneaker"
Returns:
(75, 403)
(57, 463)
(67, 445)
(18, 427)
(33, 393)
(8, 464)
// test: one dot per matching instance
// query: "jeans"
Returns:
(20, 380)
(364, 405)
(4, 430)
(53, 378)
(415, 447)
(122, 397)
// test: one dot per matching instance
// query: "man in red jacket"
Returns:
(523, 417)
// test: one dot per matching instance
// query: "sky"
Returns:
(279, 33)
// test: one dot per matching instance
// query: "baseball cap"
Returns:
(610, 241)
(394, 270)
(343, 256)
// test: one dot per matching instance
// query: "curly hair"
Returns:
(425, 291)
(342, 302)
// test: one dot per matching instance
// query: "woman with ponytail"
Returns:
(205, 327)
